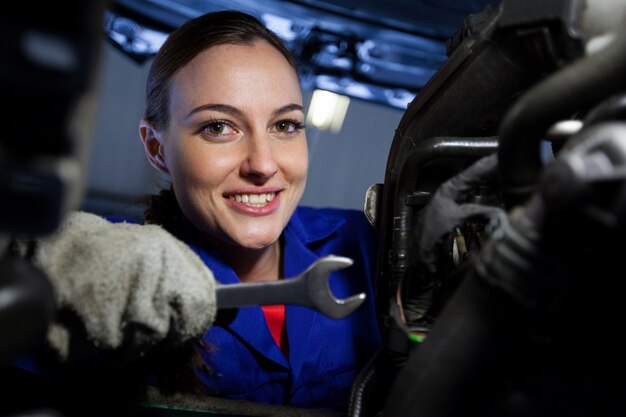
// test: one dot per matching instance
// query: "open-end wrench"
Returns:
(309, 289)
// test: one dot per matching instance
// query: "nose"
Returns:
(260, 162)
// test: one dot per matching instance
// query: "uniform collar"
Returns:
(306, 226)
(309, 225)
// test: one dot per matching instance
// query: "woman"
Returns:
(225, 122)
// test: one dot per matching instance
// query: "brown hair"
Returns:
(182, 45)
(193, 37)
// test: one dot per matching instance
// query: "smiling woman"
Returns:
(225, 122)
(229, 136)
(136, 303)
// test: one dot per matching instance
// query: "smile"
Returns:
(254, 200)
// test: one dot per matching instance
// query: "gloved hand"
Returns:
(126, 283)
(449, 207)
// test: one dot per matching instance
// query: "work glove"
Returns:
(451, 206)
(128, 285)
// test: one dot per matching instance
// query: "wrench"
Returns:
(309, 289)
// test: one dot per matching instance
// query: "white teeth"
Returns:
(256, 200)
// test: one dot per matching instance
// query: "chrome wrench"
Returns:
(309, 289)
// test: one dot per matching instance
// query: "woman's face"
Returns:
(235, 147)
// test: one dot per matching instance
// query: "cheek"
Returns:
(297, 163)
(200, 167)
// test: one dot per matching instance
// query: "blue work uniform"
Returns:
(325, 355)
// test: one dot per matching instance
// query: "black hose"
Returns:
(363, 389)
(611, 109)
(574, 88)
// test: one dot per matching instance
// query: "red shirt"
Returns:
(275, 318)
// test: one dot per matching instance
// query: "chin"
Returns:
(257, 242)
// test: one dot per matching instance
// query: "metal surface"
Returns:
(309, 289)
(382, 52)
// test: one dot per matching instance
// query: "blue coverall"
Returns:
(325, 355)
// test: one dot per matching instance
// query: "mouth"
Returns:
(253, 200)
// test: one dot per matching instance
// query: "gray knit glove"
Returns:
(126, 283)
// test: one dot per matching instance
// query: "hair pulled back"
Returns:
(183, 45)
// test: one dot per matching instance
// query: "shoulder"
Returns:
(311, 215)
(319, 222)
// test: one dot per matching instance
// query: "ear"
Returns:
(152, 145)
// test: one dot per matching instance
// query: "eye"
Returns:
(288, 126)
(217, 129)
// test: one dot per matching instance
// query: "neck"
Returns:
(255, 265)
(250, 265)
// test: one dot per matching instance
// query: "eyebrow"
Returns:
(222, 108)
(288, 108)
(228, 109)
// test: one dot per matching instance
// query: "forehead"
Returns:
(239, 75)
